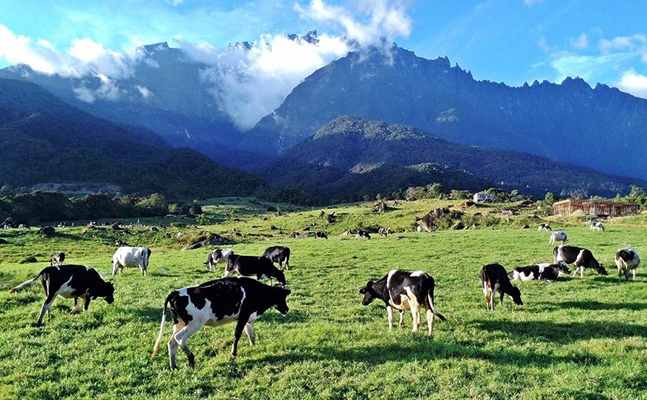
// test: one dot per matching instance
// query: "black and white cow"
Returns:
(384, 231)
(402, 290)
(597, 226)
(542, 271)
(627, 260)
(582, 258)
(321, 235)
(127, 256)
(544, 227)
(249, 266)
(494, 278)
(279, 254)
(558, 236)
(70, 281)
(215, 303)
(362, 234)
(57, 258)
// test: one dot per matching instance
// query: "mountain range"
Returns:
(351, 157)
(46, 140)
(438, 124)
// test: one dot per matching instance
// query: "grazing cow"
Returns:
(597, 226)
(321, 235)
(362, 234)
(131, 257)
(249, 266)
(57, 258)
(495, 278)
(582, 258)
(70, 281)
(404, 290)
(384, 231)
(627, 260)
(544, 227)
(215, 303)
(543, 271)
(558, 236)
(279, 254)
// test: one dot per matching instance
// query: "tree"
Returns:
(549, 198)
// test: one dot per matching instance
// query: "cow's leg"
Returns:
(115, 268)
(401, 323)
(182, 338)
(249, 331)
(486, 296)
(45, 308)
(172, 345)
(240, 325)
(430, 322)
(389, 316)
(413, 305)
(77, 308)
(86, 302)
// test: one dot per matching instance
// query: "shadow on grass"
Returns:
(291, 316)
(564, 332)
(424, 349)
(596, 305)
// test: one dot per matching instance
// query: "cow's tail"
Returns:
(161, 331)
(26, 283)
(430, 300)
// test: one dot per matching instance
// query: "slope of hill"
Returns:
(46, 140)
(593, 127)
(350, 156)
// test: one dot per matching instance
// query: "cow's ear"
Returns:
(362, 290)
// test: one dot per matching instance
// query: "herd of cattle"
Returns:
(244, 298)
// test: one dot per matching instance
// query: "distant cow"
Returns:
(127, 256)
(495, 278)
(543, 271)
(215, 303)
(544, 227)
(558, 236)
(279, 254)
(70, 281)
(57, 258)
(582, 258)
(383, 231)
(627, 260)
(597, 226)
(321, 235)
(402, 290)
(362, 234)
(249, 266)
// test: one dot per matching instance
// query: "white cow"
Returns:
(558, 236)
(126, 256)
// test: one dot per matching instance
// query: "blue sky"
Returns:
(502, 40)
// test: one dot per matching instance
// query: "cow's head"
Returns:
(600, 269)
(563, 267)
(281, 303)
(103, 289)
(369, 293)
(515, 293)
(279, 275)
(219, 255)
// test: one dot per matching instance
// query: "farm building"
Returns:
(598, 208)
(483, 197)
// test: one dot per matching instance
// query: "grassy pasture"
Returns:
(576, 338)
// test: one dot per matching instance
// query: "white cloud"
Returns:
(384, 20)
(593, 68)
(144, 91)
(623, 43)
(580, 42)
(16, 49)
(634, 83)
(252, 82)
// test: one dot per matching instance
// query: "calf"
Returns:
(131, 257)
(597, 226)
(57, 258)
(543, 271)
(627, 260)
(558, 236)
(404, 290)
(70, 281)
(494, 278)
(362, 234)
(544, 227)
(278, 254)
(249, 266)
(215, 303)
(384, 231)
(582, 258)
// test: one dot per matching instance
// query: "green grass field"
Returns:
(574, 339)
